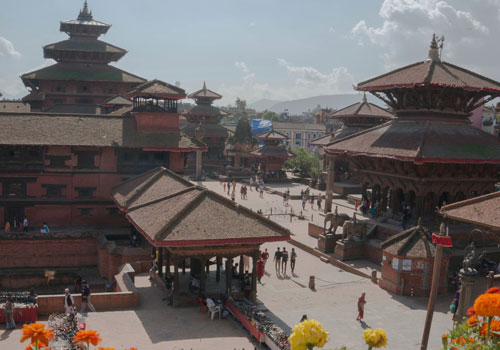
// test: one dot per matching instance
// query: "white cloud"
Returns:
(331, 30)
(7, 48)
(469, 26)
(244, 68)
(252, 24)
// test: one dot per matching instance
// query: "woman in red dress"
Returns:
(361, 307)
(260, 269)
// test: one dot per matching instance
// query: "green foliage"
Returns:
(463, 337)
(243, 132)
(305, 162)
(268, 115)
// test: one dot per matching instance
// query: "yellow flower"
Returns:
(375, 338)
(308, 333)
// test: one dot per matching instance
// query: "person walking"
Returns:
(304, 200)
(264, 256)
(311, 200)
(293, 258)
(86, 298)
(318, 201)
(68, 301)
(284, 199)
(262, 192)
(284, 260)
(224, 187)
(361, 307)
(260, 270)
(277, 260)
(233, 195)
(25, 224)
(9, 314)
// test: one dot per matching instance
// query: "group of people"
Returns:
(19, 226)
(307, 196)
(281, 260)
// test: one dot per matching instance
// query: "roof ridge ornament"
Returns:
(85, 14)
(435, 49)
(364, 97)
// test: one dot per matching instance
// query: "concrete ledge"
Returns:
(330, 259)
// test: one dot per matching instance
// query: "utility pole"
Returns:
(441, 240)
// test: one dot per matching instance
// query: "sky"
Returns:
(259, 49)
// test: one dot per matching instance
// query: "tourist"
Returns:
(306, 192)
(311, 201)
(318, 201)
(86, 298)
(7, 226)
(68, 302)
(304, 200)
(260, 269)
(154, 266)
(44, 228)
(228, 188)
(224, 187)
(356, 204)
(293, 257)
(265, 255)
(262, 192)
(284, 260)
(9, 314)
(277, 260)
(233, 195)
(301, 193)
(234, 185)
(361, 307)
(234, 271)
(304, 318)
(251, 183)
(284, 199)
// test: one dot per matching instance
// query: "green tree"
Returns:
(305, 162)
(268, 115)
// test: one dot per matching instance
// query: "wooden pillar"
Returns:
(183, 266)
(385, 190)
(229, 276)
(419, 201)
(394, 200)
(253, 292)
(329, 184)
(218, 261)
(168, 261)
(241, 270)
(160, 262)
(198, 165)
(203, 274)
(364, 194)
(176, 277)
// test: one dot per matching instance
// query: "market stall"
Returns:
(258, 324)
(25, 306)
(64, 327)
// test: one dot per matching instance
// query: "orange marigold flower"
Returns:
(493, 290)
(37, 334)
(91, 337)
(101, 348)
(471, 311)
(488, 305)
(454, 340)
(444, 336)
(494, 328)
(472, 321)
(471, 340)
(132, 349)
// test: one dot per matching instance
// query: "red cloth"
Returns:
(260, 268)
(361, 304)
(444, 241)
(27, 314)
(264, 255)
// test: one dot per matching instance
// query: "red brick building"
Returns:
(60, 168)
(82, 75)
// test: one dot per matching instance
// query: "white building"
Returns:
(300, 134)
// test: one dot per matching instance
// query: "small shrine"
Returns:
(203, 123)
(193, 229)
(272, 156)
(408, 261)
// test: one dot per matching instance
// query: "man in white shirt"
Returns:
(68, 301)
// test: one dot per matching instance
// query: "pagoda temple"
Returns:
(83, 74)
(429, 154)
(203, 123)
(272, 155)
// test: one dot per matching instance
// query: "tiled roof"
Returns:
(483, 211)
(170, 211)
(430, 72)
(82, 72)
(118, 100)
(204, 111)
(157, 88)
(271, 135)
(277, 151)
(14, 107)
(414, 242)
(85, 130)
(299, 126)
(206, 129)
(85, 45)
(205, 93)
(422, 141)
(337, 135)
(72, 108)
(363, 108)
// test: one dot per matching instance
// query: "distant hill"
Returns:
(297, 107)
(262, 105)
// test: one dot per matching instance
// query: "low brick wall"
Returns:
(126, 296)
(314, 230)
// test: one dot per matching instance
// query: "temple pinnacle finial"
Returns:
(204, 85)
(85, 13)
(364, 97)
(434, 50)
